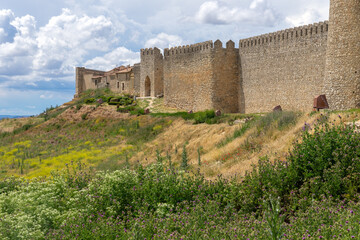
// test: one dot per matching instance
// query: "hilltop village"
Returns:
(289, 68)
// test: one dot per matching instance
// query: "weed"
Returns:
(184, 158)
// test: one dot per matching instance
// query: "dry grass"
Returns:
(9, 125)
(274, 143)
(157, 106)
(233, 158)
(184, 132)
(92, 112)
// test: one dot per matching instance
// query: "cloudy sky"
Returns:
(42, 41)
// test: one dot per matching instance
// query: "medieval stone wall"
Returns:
(284, 68)
(84, 79)
(188, 74)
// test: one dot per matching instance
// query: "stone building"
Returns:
(288, 68)
(119, 80)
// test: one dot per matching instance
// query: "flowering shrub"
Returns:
(326, 162)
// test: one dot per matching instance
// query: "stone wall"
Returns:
(284, 68)
(342, 81)
(84, 79)
(188, 76)
(121, 83)
(136, 70)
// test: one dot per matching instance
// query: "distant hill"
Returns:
(11, 116)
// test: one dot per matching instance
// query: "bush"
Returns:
(280, 119)
(84, 116)
(326, 162)
(90, 100)
(184, 115)
(126, 109)
(137, 111)
(122, 101)
(331, 154)
(114, 103)
(205, 116)
(108, 99)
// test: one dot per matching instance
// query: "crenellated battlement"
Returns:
(149, 51)
(291, 34)
(198, 47)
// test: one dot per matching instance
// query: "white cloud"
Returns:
(3, 34)
(218, 12)
(6, 31)
(308, 17)
(26, 26)
(46, 96)
(67, 39)
(17, 56)
(164, 40)
(52, 51)
(117, 57)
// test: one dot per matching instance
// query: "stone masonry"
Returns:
(287, 68)
(342, 74)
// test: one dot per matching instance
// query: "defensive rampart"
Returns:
(283, 68)
(188, 75)
(202, 76)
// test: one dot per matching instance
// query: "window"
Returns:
(118, 85)
(122, 86)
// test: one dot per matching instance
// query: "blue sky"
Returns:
(42, 41)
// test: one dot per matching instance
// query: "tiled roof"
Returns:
(120, 69)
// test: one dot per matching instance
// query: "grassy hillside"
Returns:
(312, 194)
(102, 169)
(104, 139)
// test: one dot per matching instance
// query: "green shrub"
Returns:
(126, 109)
(184, 115)
(115, 99)
(108, 99)
(205, 116)
(90, 100)
(122, 101)
(278, 119)
(184, 158)
(84, 116)
(326, 162)
(137, 111)
(114, 103)
(103, 98)
(331, 154)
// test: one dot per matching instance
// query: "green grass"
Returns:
(93, 141)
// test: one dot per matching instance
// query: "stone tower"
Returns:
(342, 70)
(151, 73)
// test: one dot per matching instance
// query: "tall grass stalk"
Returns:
(184, 158)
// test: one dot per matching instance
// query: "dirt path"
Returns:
(151, 102)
